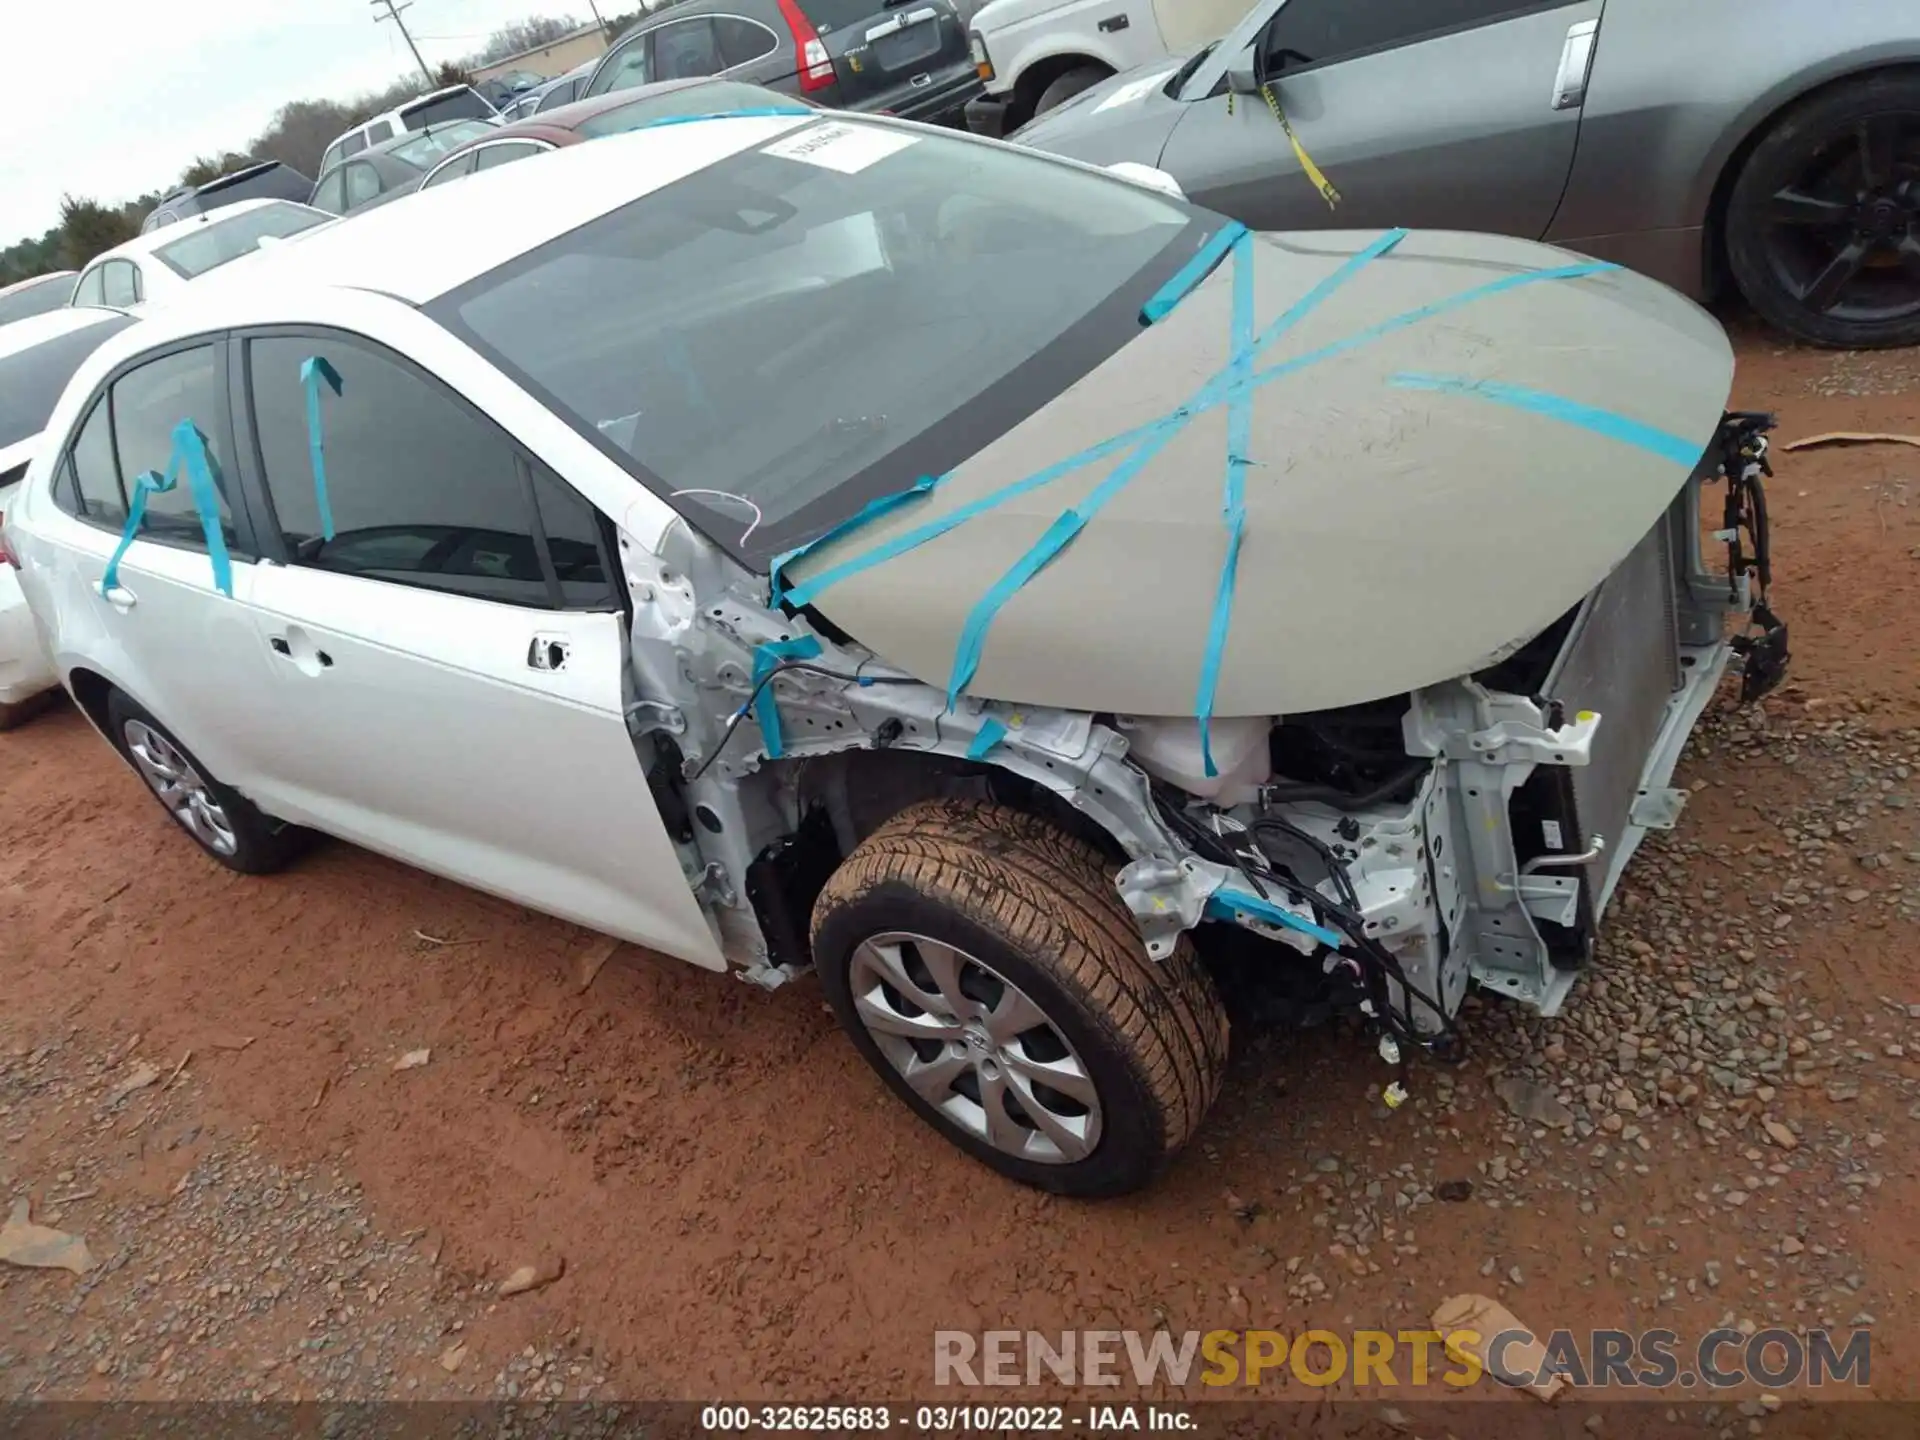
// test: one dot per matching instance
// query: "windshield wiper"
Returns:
(1180, 77)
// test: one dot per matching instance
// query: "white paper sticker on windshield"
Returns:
(846, 148)
(1133, 90)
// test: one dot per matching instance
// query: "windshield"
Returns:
(712, 98)
(422, 150)
(773, 326)
(35, 297)
(207, 247)
(31, 380)
(461, 105)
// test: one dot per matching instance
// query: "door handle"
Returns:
(1576, 62)
(548, 652)
(121, 598)
(311, 660)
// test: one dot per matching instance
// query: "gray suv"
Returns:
(898, 57)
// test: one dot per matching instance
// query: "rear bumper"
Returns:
(945, 94)
(25, 670)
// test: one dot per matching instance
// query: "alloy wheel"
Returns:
(181, 788)
(1843, 236)
(976, 1047)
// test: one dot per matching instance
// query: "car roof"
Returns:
(449, 234)
(143, 245)
(38, 329)
(33, 280)
(577, 112)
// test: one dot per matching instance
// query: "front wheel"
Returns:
(982, 962)
(1823, 224)
(1064, 87)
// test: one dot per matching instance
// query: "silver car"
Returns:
(1771, 146)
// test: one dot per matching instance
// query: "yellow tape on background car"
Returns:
(1313, 173)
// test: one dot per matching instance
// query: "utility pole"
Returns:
(393, 14)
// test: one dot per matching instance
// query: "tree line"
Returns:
(296, 136)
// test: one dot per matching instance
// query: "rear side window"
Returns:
(452, 170)
(424, 491)
(379, 130)
(492, 155)
(89, 483)
(741, 40)
(331, 193)
(354, 143)
(148, 403)
(363, 184)
(686, 50)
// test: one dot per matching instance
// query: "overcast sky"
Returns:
(124, 94)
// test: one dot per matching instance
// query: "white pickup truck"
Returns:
(1035, 54)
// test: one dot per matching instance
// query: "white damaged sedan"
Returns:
(792, 542)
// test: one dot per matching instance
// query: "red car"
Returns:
(608, 114)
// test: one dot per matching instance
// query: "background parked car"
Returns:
(456, 102)
(394, 168)
(158, 263)
(1765, 142)
(910, 60)
(267, 180)
(38, 356)
(608, 114)
(36, 296)
(500, 91)
(1038, 54)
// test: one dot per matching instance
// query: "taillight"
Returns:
(816, 65)
(7, 557)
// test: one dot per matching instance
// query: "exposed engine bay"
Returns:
(1473, 830)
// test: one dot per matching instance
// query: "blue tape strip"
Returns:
(866, 514)
(189, 455)
(991, 734)
(765, 659)
(752, 110)
(1226, 904)
(1557, 407)
(315, 371)
(1233, 507)
(1193, 272)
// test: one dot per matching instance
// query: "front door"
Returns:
(1434, 114)
(448, 666)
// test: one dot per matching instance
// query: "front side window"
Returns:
(117, 284)
(624, 67)
(379, 130)
(363, 184)
(331, 193)
(353, 144)
(423, 490)
(206, 247)
(561, 94)
(148, 403)
(721, 332)
(92, 287)
(1320, 32)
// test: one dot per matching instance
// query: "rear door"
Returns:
(1444, 114)
(886, 52)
